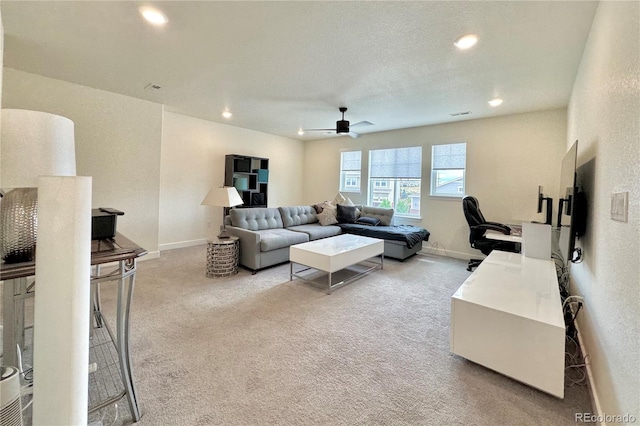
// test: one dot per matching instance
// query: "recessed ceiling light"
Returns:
(466, 41)
(495, 102)
(301, 132)
(153, 16)
(227, 114)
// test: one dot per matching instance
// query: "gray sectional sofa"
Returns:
(266, 233)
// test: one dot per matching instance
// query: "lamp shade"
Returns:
(222, 197)
(33, 144)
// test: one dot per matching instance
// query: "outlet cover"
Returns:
(619, 206)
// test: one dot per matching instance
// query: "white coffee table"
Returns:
(334, 254)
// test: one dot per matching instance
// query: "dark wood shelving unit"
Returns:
(250, 176)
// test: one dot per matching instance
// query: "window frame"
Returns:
(343, 187)
(392, 184)
(434, 172)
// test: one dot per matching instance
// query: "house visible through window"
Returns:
(394, 179)
(448, 165)
(350, 162)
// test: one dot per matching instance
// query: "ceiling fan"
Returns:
(342, 126)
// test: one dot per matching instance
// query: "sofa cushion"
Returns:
(273, 239)
(347, 214)
(316, 231)
(298, 215)
(371, 221)
(256, 219)
(385, 215)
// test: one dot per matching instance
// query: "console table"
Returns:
(118, 251)
(507, 316)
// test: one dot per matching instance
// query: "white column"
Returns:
(61, 320)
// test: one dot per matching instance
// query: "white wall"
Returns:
(117, 143)
(604, 115)
(1, 54)
(193, 153)
(507, 158)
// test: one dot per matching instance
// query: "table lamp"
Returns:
(32, 144)
(223, 197)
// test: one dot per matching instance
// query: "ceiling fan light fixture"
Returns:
(342, 126)
(153, 16)
(466, 41)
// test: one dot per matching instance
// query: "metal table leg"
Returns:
(13, 295)
(125, 276)
(124, 309)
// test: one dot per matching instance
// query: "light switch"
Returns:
(619, 206)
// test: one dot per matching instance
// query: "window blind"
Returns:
(351, 160)
(396, 163)
(450, 156)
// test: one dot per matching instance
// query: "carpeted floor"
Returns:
(259, 349)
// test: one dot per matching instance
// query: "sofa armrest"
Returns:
(249, 246)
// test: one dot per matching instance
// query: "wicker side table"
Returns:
(222, 257)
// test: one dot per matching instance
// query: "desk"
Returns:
(119, 250)
(507, 316)
(495, 235)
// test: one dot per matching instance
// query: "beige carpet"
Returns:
(260, 350)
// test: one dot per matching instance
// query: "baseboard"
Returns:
(150, 255)
(182, 244)
(591, 385)
(441, 251)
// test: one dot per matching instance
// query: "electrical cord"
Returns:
(436, 246)
(575, 362)
(570, 299)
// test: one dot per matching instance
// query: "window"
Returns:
(350, 171)
(394, 179)
(448, 164)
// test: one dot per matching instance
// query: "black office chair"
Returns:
(478, 225)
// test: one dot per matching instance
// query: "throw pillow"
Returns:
(348, 202)
(339, 199)
(370, 221)
(347, 214)
(327, 218)
(328, 206)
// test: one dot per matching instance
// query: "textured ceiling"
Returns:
(281, 66)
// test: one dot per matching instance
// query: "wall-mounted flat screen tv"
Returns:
(572, 208)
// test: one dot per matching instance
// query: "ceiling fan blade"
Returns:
(362, 123)
(318, 130)
(354, 135)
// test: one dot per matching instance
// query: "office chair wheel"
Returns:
(473, 263)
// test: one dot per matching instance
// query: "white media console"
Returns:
(507, 316)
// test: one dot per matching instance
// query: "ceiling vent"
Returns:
(457, 114)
